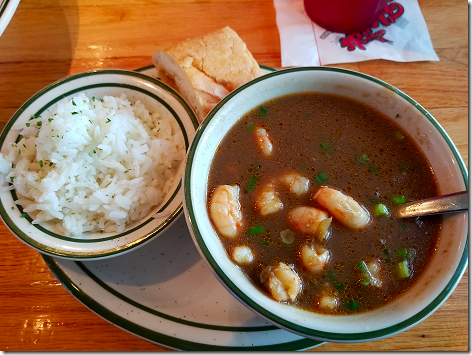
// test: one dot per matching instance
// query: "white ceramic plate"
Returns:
(7, 9)
(156, 97)
(164, 293)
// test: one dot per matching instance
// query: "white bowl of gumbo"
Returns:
(290, 185)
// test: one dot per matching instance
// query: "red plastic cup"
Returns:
(344, 16)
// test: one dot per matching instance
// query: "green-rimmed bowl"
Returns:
(449, 261)
(156, 97)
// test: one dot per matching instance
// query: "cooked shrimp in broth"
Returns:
(328, 299)
(283, 283)
(242, 254)
(296, 183)
(306, 219)
(314, 258)
(344, 208)
(225, 210)
(295, 193)
(268, 200)
(263, 141)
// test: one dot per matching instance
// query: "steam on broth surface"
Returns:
(305, 184)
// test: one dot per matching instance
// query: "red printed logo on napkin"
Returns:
(389, 15)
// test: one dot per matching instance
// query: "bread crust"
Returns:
(207, 68)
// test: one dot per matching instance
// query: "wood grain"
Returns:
(48, 40)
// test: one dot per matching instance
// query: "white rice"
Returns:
(93, 165)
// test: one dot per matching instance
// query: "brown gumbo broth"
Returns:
(340, 143)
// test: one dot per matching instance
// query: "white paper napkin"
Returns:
(400, 35)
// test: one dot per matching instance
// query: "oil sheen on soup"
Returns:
(301, 194)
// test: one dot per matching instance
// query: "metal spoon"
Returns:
(455, 202)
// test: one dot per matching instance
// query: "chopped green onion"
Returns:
(263, 111)
(256, 230)
(287, 236)
(351, 304)
(41, 163)
(28, 124)
(74, 113)
(398, 199)
(252, 183)
(399, 135)
(380, 210)
(73, 103)
(337, 285)
(327, 148)
(50, 119)
(373, 169)
(388, 258)
(402, 252)
(362, 159)
(23, 215)
(265, 243)
(251, 127)
(12, 178)
(321, 178)
(361, 266)
(403, 166)
(406, 253)
(39, 123)
(108, 120)
(403, 271)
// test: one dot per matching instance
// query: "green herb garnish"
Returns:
(362, 159)
(321, 178)
(256, 230)
(262, 111)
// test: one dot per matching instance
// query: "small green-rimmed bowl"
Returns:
(156, 97)
(449, 261)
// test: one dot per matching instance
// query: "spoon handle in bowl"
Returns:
(455, 202)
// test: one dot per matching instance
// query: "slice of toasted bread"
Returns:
(205, 69)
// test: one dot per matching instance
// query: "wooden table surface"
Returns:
(49, 39)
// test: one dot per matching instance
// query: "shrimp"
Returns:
(268, 200)
(344, 208)
(283, 283)
(306, 219)
(225, 210)
(242, 254)
(296, 183)
(328, 299)
(264, 143)
(314, 257)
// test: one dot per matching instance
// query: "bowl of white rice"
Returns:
(90, 166)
